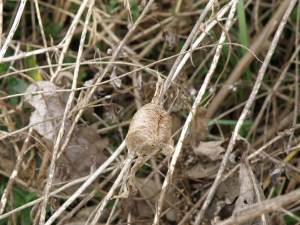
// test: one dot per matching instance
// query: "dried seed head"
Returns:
(149, 130)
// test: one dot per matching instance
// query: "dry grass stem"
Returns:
(204, 33)
(13, 28)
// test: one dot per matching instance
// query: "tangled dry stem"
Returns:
(191, 44)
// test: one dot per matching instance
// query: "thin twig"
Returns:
(192, 113)
(245, 112)
(31, 53)
(283, 121)
(88, 197)
(278, 137)
(208, 27)
(13, 29)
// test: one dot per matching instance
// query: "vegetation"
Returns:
(149, 112)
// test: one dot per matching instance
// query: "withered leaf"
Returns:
(49, 108)
(201, 170)
(247, 192)
(246, 195)
(223, 203)
(212, 150)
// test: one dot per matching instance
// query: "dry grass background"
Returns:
(73, 73)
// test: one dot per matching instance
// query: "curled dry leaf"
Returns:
(212, 150)
(85, 148)
(82, 223)
(49, 107)
(249, 194)
(83, 215)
